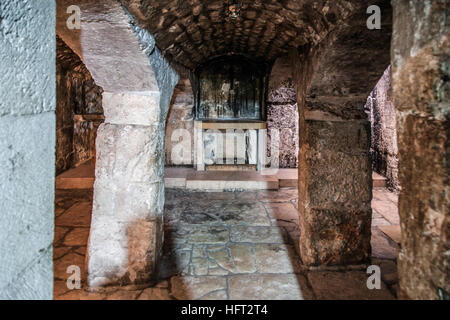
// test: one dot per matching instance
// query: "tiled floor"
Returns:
(227, 245)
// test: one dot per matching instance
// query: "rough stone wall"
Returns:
(421, 90)
(76, 95)
(282, 113)
(27, 148)
(180, 126)
(333, 81)
(384, 149)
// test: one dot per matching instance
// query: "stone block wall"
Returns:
(180, 126)
(27, 148)
(77, 95)
(282, 113)
(382, 117)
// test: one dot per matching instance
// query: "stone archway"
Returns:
(126, 230)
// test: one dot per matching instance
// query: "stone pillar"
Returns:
(420, 77)
(27, 148)
(127, 219)
(335, 191)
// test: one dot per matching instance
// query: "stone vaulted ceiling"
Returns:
(193, 31)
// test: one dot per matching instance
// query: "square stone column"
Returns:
(335, 192)
(127, 218)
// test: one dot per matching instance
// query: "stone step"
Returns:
(81, 177)
(231, 180)
(378, 180)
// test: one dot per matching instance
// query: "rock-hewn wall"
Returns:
(421, 90)
(384, 149)
(77, 95)
(180, 126)
(27, 148)
(282, 113)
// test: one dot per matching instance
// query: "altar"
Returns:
(229, 126)
(229, 145)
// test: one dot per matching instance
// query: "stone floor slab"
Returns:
(192, 288)
(350, 285)
(269, 287)
(79, 215)
(274, 258)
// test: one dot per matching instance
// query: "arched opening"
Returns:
(231, 242)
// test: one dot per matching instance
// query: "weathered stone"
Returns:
(105, 44)
(199, 266)
(334, 193)
(382, 204)
(76, 94)
(274, 258)
(77, 237)
(382, 247)
(350, 285)
(282, 211)
(155, 294)
(258, 234)
(216, 295)
(269, 287)
(123, 295)
(191, 288)
(278, 196)
(235, 258)
(384, 130)
(137, 108)
(211, 235)
(421, 97)
(79, 215)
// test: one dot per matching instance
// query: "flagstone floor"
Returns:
(227, 245)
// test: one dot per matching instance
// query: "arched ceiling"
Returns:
(191, 32)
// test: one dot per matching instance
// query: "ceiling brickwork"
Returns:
(193, 31)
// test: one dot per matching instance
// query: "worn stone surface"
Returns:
(335, 193)
(27, 145)
(269, 287)
(77, 94)
(180, 126)
(420, 75)
(103, 45)
(351, 285)
(129, 171)
(334, 160)
(381, 112)
(191, 288)
(201, 261)
(282, 113)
